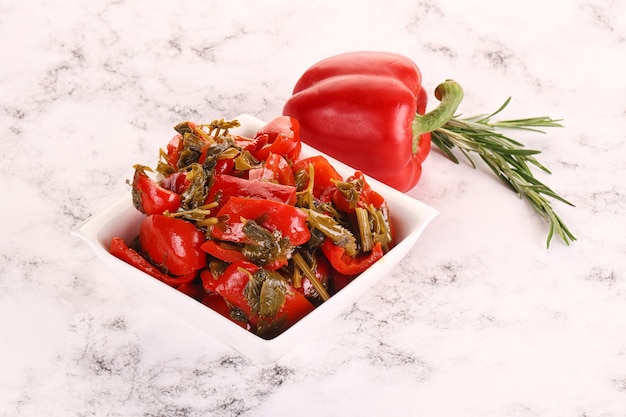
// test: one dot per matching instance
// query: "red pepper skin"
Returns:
(176, 182)
(226, 186)
(174, 147)
(120, 250)
(423, 147)
(193, 289)
(216, 249)
(231, 284)
(289, 220)
(225, 254)
(217, 303)
(275, 169)
(340, 281)
(249, 144)
(359, 108)
(367, 196)
(295, 307)
(150, 198)
(349, 265)
(280, 136)
(222, 166)
(324, 174)
(173, 243)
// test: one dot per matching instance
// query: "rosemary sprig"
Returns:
(508, 159)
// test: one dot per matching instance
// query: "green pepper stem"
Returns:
(450, 94)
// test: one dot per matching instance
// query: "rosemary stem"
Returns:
(507, 158)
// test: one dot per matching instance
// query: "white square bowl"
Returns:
(409, 217)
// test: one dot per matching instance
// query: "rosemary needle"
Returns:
(508, 159)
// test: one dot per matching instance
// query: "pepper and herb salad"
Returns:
(247, 227)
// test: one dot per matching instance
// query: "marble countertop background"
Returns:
(478, 320)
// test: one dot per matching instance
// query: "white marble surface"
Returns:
(479, 320)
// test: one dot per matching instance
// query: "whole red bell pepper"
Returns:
(367, 110)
